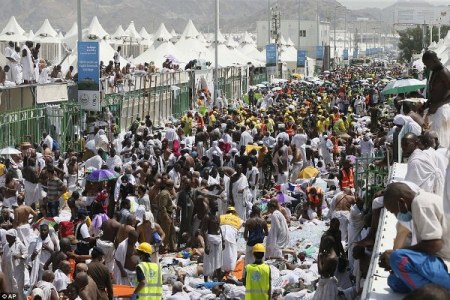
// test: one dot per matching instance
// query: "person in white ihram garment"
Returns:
(421, 168)
(13, 263)
(239, 192)
(230, 224)
(27, 64)
(438, 94)
(278, 237)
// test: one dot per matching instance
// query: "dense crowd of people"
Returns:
(210, 206)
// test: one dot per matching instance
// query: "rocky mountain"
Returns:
(235, 15)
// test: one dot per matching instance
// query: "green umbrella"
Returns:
(403, 86)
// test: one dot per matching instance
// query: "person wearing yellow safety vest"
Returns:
(257, 276)
(149, 277)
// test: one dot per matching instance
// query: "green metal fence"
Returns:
(371, 177)
(61, 121)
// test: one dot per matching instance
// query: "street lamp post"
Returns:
(80, 36)
(216, 53)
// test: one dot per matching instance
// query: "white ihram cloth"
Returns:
(61, 281)
(32, 192)
(441, 162)
(326, 289)
(24, 234)
(47, 288)
(213, 260)
(278, 237)
(230, 251)
(342, 216)
(27, 66)
(241, 200)
(41, 257)
(355, 226)
(440, 122)
(14, 268)
(120, 256)
(108, 249)
(423, 171)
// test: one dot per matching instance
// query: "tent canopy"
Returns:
(13, 32)
(162, 34)
(190, 31)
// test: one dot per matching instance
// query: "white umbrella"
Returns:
(260, 85)
(276, 89)
(9, 151)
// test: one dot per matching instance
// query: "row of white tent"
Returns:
(442, 49)
(140, 47)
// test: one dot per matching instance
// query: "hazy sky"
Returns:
(356, 4)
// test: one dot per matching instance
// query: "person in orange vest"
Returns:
(346, 175)
(315, 197)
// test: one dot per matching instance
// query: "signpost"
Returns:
(301, 58)
(271, 55)
(89, 76)
(319, 52)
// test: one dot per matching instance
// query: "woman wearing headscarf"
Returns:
(101, 140)
(215, 151)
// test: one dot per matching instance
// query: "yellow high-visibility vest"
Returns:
(257, 282)
(153, 282)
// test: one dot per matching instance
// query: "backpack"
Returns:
(66, 228)
(256, 236)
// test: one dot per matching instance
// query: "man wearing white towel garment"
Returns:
(13, 263)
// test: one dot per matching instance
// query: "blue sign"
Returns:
(355, 53)
(89, 75)
(319, 52)
(271, 54)
(301, 58)
(345, 54)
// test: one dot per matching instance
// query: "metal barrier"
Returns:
(62, 121)
(370, 176)
(166, 95)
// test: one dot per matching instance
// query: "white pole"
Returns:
(80, 36)
(216, 55)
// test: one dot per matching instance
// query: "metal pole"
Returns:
(334, 39)
(268, 21)
(345, 35)
(80, 36)
(299, 30)
(216, 54)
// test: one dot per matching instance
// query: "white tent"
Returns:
(173, 33)
(46, 30)
(72, 31)
(288, 54)
(106, 54)
(251, 51)
(50, 42)
(190, 31)
(158, 55)
(290, 43)
(227, 57)
(191, 48)
(144, 34)
(162, 34)
(95, 30)
(246, 39)
(30, 35)
(210, 37)
(117, 36)
(231, 43)
(13, 32)
(131, 33)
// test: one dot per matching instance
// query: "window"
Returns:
(302, 33)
